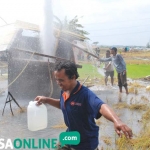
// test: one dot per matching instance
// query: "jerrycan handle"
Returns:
(34, 103)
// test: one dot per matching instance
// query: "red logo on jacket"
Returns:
(75, 103)
(72, 103)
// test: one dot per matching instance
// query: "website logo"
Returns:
(71, 138)
(27, 144)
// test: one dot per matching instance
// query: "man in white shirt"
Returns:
(109, 69)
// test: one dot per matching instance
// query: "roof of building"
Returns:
(7, 32)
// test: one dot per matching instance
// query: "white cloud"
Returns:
(28, 10)
(97, 15)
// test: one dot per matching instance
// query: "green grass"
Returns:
(137, 71)
(88, 70)
(134, 71)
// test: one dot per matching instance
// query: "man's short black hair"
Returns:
(114, 48)
(69, 66)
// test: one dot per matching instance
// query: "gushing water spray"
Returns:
(47, 37)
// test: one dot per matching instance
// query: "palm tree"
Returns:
(74, 27)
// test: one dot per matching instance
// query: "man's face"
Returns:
(63, 81)
(107, 54)
(112, 52)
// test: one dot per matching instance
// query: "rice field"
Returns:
(133, 109)
(137, 102)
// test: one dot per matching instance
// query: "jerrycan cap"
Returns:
(32, 102)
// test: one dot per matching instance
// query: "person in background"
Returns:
(97, 53)
(120, 67)
(109, 69)
(80, 107)
(88, 57)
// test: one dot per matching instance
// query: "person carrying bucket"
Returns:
(80, 107)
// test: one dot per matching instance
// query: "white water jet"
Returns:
(47, 37)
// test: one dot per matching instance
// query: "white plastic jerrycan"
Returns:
(36, 116)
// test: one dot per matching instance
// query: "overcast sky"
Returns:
(110, 22)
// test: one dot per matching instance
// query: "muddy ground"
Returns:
(16, 126)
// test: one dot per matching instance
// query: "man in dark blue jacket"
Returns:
(80, 107)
